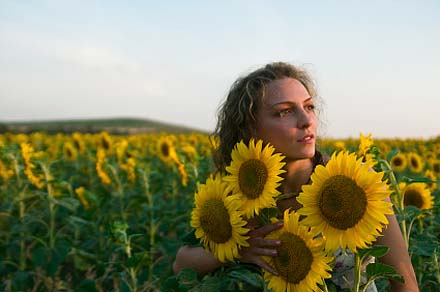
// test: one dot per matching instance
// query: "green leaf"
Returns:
(190, 239)
(39, 256)
(379, 270)
(375, 251)
(70, 204)
(22, 281)
(250, 280)
(410, 180)
(267, 213)
(78, 221)
(86, 285)
(136, 259)
(213, 284)
(187, 278)
(392, 153)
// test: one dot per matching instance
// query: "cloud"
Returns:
(79, 52)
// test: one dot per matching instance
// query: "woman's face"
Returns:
(286, 119)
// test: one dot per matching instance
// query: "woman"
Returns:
(276, 103)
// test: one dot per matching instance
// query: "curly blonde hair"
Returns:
(236, 118)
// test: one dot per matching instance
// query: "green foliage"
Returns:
(127, 237)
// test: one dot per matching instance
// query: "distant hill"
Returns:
(122, 126)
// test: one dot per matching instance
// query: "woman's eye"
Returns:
(285, 112)
(311, 107)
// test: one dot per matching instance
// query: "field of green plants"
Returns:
(100, 212)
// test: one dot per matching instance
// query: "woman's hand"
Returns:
(258, 246)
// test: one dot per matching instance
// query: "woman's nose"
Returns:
(305, 120)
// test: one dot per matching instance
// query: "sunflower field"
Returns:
(101, 212)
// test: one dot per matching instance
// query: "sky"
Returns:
(376, 63)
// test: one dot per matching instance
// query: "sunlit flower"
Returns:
(70, 152)
(435, 166)
(365, 143)
(104, 141)
(218, 221)
(340, 145)
(100, 162)
(80, 192)
(5, 172)
(190, 152)
(398, 162)
(28, 153)
(430, 174)
(183, 174)
(415, 162)
(254, 175)
(417, 194)
(301, 261)
(166, 150)
(346, 202)
(78, 142)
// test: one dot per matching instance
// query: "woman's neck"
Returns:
(297, 174)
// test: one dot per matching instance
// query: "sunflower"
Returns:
(345, 202)
(104, 141)
(217, 220)
(166, 150)
(5, 173)
(430, 174)
(100, 165)
(417, 194)
(70, 152)
(435, 165)
(415, 162)
(399, 162)
(80, 192)
(365, 143)
(28, 153)
(301, 262)
(339, 145)
(254, 175)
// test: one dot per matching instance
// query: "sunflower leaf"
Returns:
(267, 213)
(392, 153)
(409, 180)
(190, 239)
(379, 270)
(375, 251)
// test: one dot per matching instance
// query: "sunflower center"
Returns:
(414, 162)
(105, 144)
(397, 162)
(165, 149)
(252, 177)
(215, 222)
(294, 260)
(413, 198)
(342, 202)
(436, 167)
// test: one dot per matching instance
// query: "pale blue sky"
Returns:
(376, 63)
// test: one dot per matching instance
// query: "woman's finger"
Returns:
(263, 264)
(266, 229)
(261, 242)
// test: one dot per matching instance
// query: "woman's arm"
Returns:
(196, 258)
(204, 262)
(398, 256)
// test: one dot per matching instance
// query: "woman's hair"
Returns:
(237, 114)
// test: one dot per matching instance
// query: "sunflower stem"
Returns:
(52, 206)
(22, 211)
(152, 227)
(357, 273)
(400, 202)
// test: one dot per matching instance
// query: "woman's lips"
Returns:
(307, 139)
